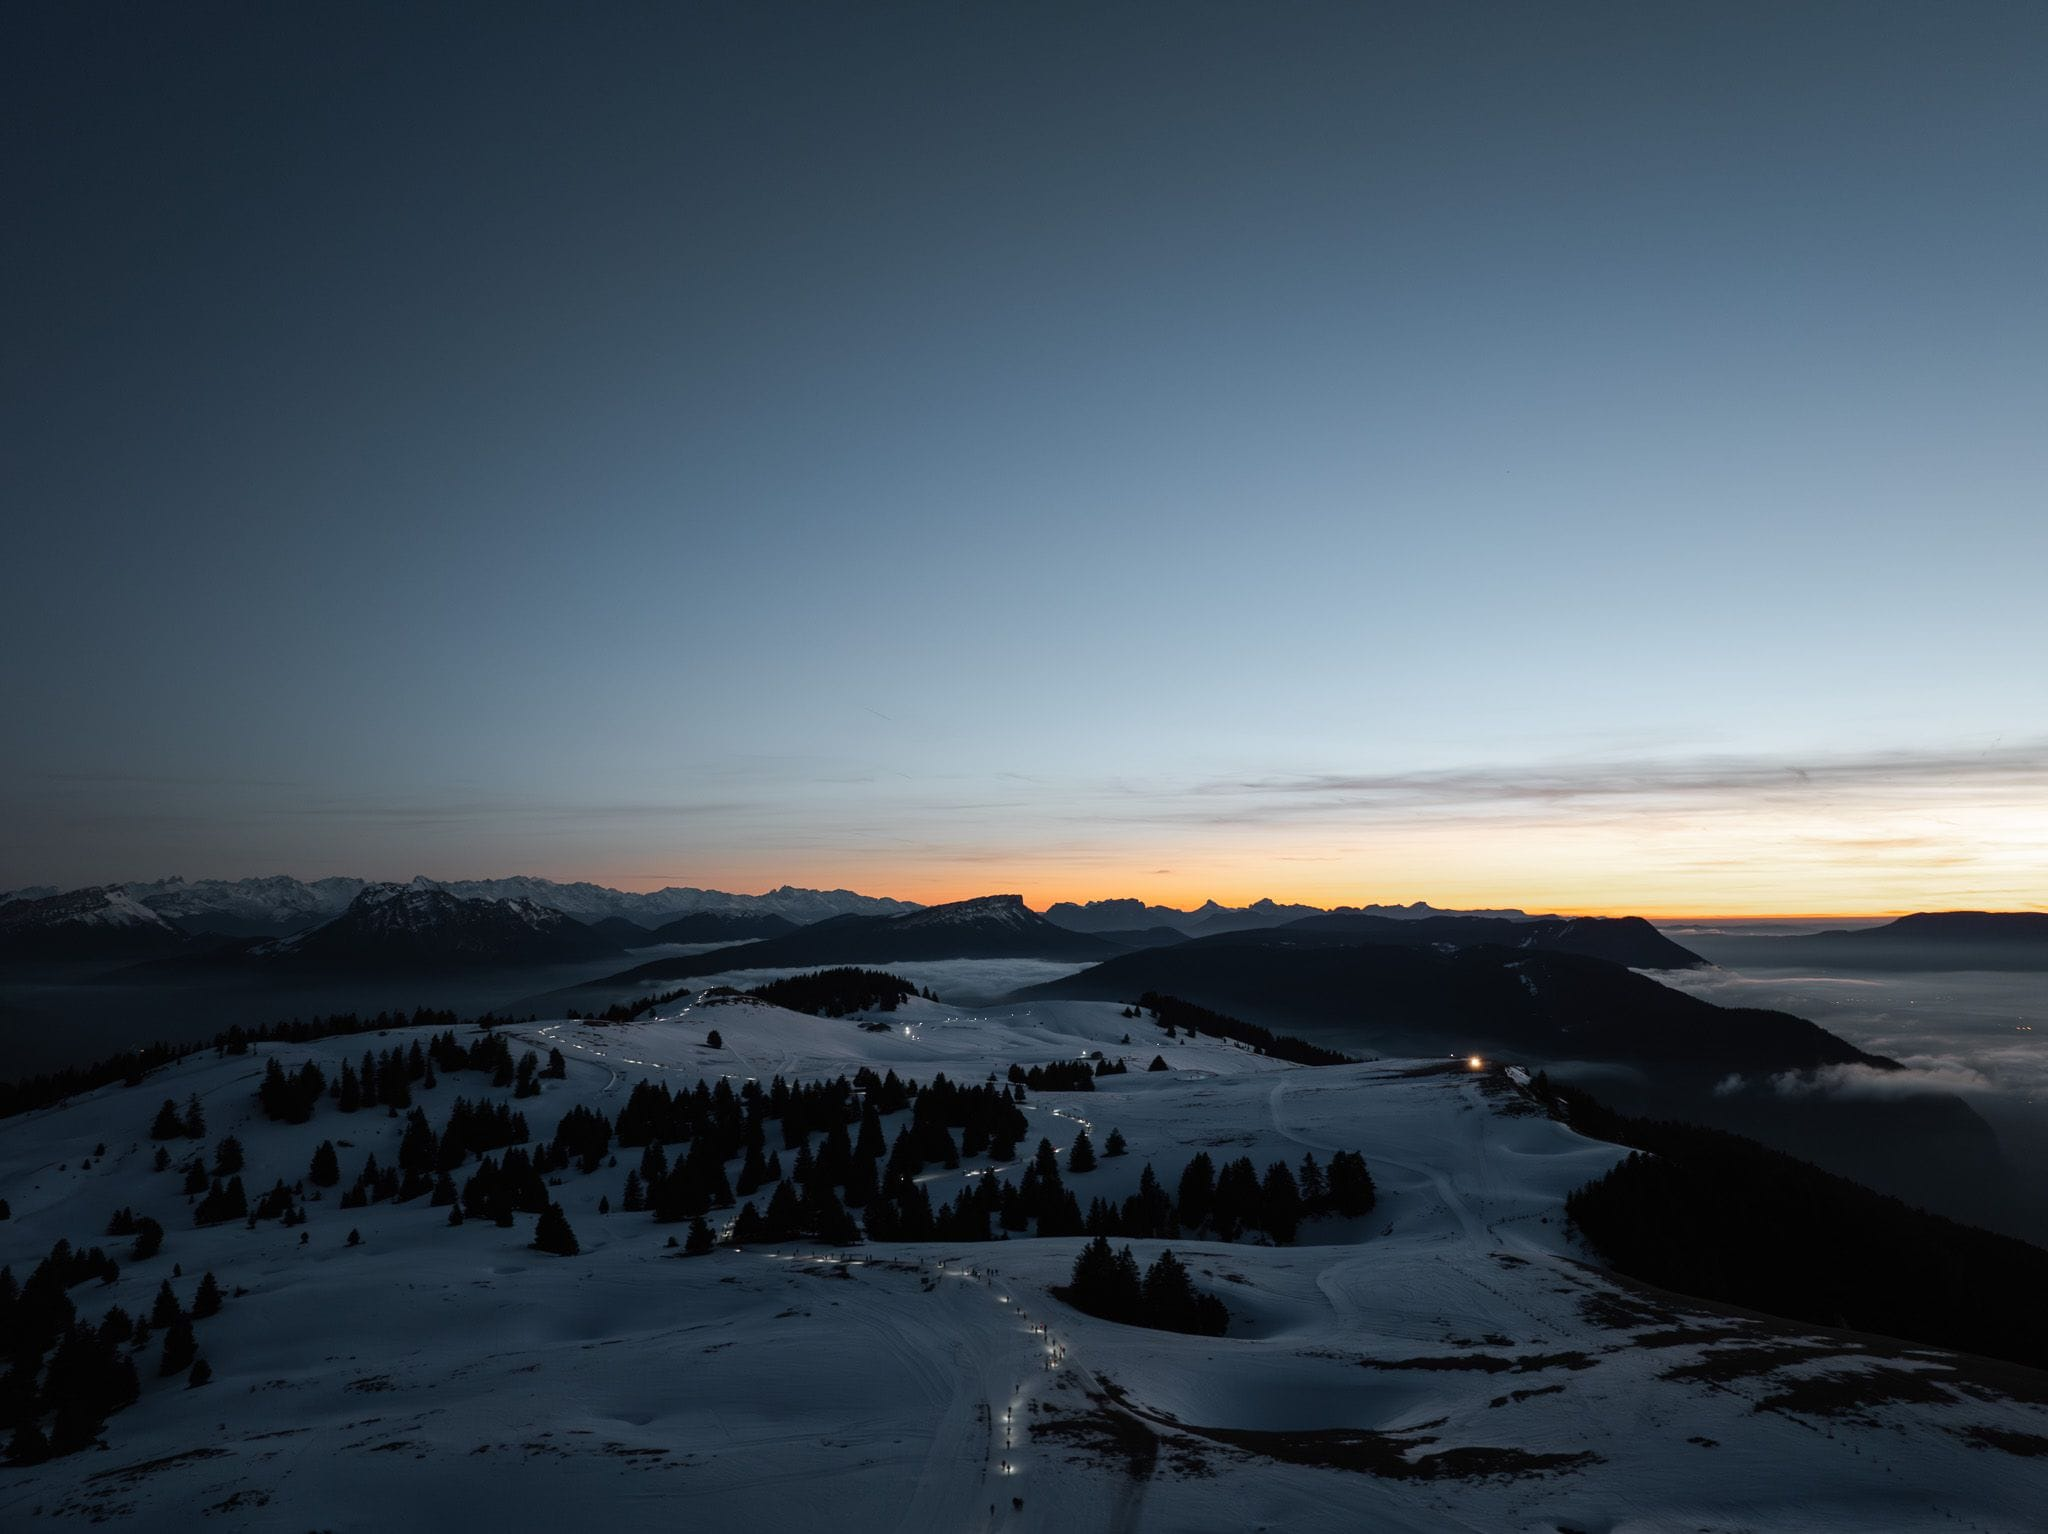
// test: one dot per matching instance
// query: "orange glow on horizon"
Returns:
(1040, 891)
(1835, 860)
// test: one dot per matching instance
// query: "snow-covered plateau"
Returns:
(1452, 1361)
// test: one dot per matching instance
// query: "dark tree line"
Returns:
(839, 992)
(132, 1066)
(1065, 1075)
(1708, 1213)
(1177, 1017)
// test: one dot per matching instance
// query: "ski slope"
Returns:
(1449, 1362)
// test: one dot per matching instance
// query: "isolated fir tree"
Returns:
(712, 1040)
(195, 1119)
(202, 1373)
(551, 1233)
(227, 1156)
(1114, 1145)
(168, 1125)
(166, 1309)
(1158, 1064)
(206, 1301)
(1081, 1158)
(701, 1239)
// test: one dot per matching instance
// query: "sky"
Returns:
(1582, 457)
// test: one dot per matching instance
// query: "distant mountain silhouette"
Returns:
(1926, 940)
(1142, 937)
(101, 922)
(991, 927)
(412, 927)
(721, 927)
(278, 905)
(1104, 917)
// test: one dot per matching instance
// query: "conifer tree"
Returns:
(179, 1349)
(1310, 1181)
(202, 1373)
(325, 1171)
(206, 1302)
(1081, 1158)
(1280, 1204)
(701, 1239)
(552, 1233)
(1350, 1184)
(1114, 1145)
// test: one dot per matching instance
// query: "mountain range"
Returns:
(1209, 918)
(113, 920)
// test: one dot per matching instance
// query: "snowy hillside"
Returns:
(1448, 1362)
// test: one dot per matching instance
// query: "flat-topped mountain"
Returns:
(1627, 940)
(1423, 998)
(1925, 940)
(1658, 1050)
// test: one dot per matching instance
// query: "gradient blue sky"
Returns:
(1572, 456)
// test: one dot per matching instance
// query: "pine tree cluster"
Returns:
(838, 992)
(71, 1372)
(1106, 1283)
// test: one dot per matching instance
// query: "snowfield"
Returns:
(1449, 1362)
